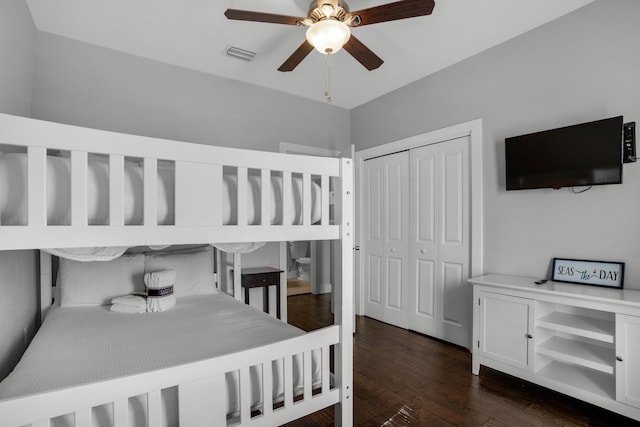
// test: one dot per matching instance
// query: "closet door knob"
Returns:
(529, 336)
(619, 359)
(423, 251)
(392, 249)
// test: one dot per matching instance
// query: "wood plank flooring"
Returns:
(298, 287)
(403, 378)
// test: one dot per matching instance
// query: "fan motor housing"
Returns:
(315, 10)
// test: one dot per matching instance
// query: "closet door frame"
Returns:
(472, 129)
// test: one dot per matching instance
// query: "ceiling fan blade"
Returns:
(393, 11)
(296, 57)
(273, 18)
(362, 54)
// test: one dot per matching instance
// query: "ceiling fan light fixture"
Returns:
(328, 36)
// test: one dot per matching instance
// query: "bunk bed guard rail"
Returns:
(198, 188)
(201, 390)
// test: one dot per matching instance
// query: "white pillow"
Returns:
(194, 270)
(96, 283)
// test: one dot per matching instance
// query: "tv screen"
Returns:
(578, 155)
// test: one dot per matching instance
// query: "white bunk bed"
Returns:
(198, 216)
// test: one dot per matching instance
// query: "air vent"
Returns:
(239, 53)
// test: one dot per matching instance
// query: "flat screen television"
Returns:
(579, 155)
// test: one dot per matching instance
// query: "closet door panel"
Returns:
(425, 292)
(374, 238)
(375, 201)
(394, 279)
(453, 187)
(423, 244)
(394, 201)
(454, 248)
(453, 294)
(374, 268)
(396, 226)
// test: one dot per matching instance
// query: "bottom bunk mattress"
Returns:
(79, 345)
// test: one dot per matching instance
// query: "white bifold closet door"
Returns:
(386, 224)
(417, 248)
(440, 242)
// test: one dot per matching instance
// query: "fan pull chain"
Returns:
(327, 88)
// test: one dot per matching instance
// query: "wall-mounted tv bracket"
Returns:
(629, 142)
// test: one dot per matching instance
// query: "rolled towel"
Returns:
(160, 279)
(134, 300)
(122, 308)
(159, 285)
(156, 304)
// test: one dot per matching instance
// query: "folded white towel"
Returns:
(160, 279)
(133, 300)
(122, 308)
(160, 290)
(156, 304)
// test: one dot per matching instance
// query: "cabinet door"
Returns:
(628, 360)
(505, 333)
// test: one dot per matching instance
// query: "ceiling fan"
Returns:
(328, 23)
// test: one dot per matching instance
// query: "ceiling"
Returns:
(195, 34)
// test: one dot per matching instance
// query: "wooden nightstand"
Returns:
(261, 277)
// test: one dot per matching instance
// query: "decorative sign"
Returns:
(597, 273)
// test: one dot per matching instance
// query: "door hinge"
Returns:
(478, 343)
(478, 301)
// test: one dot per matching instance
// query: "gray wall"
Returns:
(18, 269)
(581, 67)
(17, 57)
(86, 85)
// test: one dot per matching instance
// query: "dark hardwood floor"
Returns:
(403, 378)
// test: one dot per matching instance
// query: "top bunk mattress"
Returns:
(79, 345)
(13, 193)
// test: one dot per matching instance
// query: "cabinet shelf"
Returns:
(596, 357)
(582, 379)
(588, 327)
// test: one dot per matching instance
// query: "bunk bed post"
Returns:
(344, 314)
(46, 285)
(283, 279)
(237, 271)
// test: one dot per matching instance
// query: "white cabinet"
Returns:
(575, 339)
(505, 333)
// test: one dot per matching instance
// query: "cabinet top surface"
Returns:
(630, 297)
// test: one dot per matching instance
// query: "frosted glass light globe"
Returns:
(328, 36)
